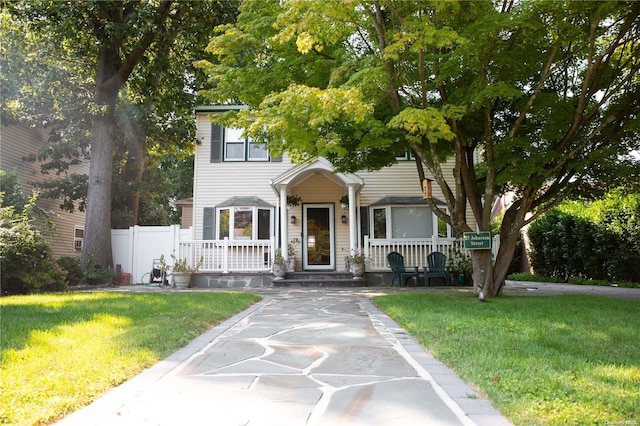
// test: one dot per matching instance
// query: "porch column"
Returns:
(353, 224)
(284, 237)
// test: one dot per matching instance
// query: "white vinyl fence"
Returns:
(137, 247)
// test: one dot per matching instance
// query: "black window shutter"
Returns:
(208, 223)
(364, 222)
(216, 144)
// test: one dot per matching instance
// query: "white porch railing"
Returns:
(414, 250)
(229, 255)
(256, 255)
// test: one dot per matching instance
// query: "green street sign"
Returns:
(477, 240)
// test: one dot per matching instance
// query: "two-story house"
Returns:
(247, 204)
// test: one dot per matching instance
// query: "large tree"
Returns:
(141, 43)
(539, 98)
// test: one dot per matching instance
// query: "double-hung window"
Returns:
(234, 145)
(78, 237)
(228, 144)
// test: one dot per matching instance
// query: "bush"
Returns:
(25, 257)
(73, 269)
(595, 241)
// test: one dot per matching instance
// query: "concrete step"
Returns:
(318, 283)
(319, 279)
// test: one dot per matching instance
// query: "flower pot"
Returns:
(291, 264)
(279, 271)
(181, 279)
(357, 269)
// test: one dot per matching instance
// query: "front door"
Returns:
(318, 242)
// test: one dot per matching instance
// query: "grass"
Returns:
(540, 360)
(62, 351)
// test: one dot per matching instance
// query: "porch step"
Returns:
(319, 279)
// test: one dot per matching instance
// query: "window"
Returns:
(241, 223)
(411, 222)
(257, 151)
(407, 222)
(78, 237)
(380, 223)
(408, 156)
(233, 144)
(228, 144)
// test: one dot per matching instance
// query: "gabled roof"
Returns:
(300, 172)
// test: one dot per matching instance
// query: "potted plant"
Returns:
(344, 202)
(278, 265)
(181, 271)
(293, 200)
(357, 262)
(291, 254)
(461, 265)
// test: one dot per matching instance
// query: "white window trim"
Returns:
(77, 241)
(254, 223)
(389, 225)
(246, 144)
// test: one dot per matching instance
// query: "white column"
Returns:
(284, 237)
(353, 225)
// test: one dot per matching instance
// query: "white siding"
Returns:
(19, 142)
(217, 182)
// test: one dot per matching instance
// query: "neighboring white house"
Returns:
(241, 214)
(19, 142)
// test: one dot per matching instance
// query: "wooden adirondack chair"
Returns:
(400, 272)
(437, 267)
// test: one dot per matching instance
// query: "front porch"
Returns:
(247, 263)
(240, 256)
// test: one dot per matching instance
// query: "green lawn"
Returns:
(62, 351)
(540, 360)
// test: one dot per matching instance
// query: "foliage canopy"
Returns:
(538, 98)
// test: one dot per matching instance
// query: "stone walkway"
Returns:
(299, 357)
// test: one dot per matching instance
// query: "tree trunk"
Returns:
(132, 176)
(135, 168)
(482, 272)
(489, 276)
(96, 248)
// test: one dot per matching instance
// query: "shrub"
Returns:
(72, 267)
(597, 241)
(25, 257)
